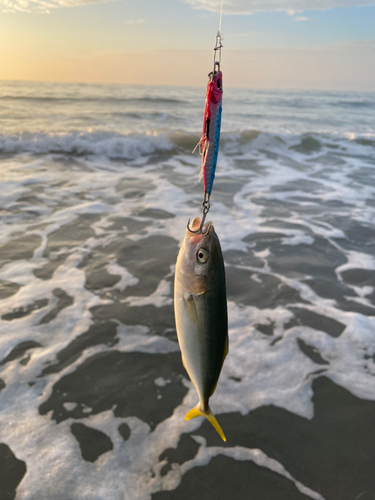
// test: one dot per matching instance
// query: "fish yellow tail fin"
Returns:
(197, 412)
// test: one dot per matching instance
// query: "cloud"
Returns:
(42, 5)
(301, 19)
(135, 21)
(252, 6)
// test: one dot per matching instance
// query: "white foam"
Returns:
(160, 298)
(126, 280)
(240, 453)
(161, 382)
(74, 176)
(357, 260)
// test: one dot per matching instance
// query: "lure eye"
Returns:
(202, 255)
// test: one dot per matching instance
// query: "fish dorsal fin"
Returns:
(226, 350)
(226, 347)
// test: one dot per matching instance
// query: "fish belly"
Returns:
(201, 322)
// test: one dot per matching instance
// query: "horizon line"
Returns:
(289, 89)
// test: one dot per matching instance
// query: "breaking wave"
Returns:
(132, 146)
(111, 145)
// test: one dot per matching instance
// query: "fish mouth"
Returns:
(194, 225)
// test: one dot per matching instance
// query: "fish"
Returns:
(200, 305)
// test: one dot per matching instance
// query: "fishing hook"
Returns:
(206, 208)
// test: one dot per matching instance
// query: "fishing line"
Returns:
(221, 15)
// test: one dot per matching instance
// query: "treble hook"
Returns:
(206, 208)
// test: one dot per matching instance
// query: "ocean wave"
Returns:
(366, 104)
(111, 145)
(132, 146)
(105, 99)
(365, 141)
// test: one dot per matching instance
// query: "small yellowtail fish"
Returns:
(200, 305)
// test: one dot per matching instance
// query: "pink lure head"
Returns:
(214, 93)
(217, 87)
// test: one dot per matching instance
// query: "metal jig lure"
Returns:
(209, 142)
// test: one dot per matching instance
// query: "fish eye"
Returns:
(202, 255)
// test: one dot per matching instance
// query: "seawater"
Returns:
(97, 185)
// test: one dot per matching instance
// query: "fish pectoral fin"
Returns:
(190, 307)
(196, 412)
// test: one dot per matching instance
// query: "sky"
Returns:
(285, 44)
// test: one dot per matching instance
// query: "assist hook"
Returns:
(206, 208)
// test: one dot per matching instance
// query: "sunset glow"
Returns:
(169, 42)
